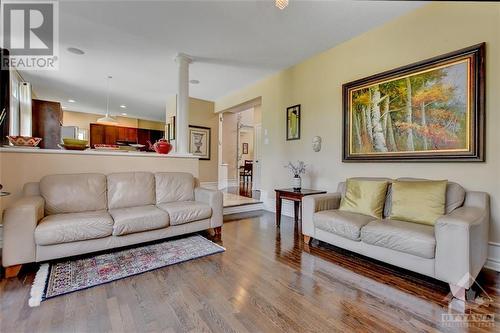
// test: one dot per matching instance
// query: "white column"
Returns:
(182, 118)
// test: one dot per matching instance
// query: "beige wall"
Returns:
(201, 113)
(316, 84)
(83, 120)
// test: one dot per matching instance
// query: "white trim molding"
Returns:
(232, 182)
(243, 208)
(287, 207)
(209, 185)
(493, 261)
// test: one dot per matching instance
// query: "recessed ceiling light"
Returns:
(71, 100)
(123, 106)
(64, 107)
(75, 50)
(123, 114)
(194, 81)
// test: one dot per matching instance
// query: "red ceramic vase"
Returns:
(162, 146)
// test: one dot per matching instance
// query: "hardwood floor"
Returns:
(266, 281)
(245, 189)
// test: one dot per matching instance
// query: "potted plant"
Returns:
(297, 170)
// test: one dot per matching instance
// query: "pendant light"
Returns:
(107, 119)
(281, 4)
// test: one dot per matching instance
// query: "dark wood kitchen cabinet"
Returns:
(127, 134)
(96, 134)
(109, 134)
(47, 120)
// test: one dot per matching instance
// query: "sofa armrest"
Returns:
(315, 203)
(19, 223)
(462, 241)
(213, 198)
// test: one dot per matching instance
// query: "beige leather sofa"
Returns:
(67, 215)
(453, 250)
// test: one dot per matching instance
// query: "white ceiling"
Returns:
(235, 43)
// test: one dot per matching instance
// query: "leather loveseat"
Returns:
(453, 250)
(67, 215)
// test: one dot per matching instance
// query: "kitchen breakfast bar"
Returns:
(22, 165)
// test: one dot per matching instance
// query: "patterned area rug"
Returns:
(59, 278)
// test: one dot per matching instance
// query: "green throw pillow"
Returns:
(418, 201)
(364, 197)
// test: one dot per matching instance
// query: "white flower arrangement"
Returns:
(298, 169)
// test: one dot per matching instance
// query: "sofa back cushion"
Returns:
(455, 194)
(341, 188)
(174, 186)
(73, 193)
(365, 197)
(418, 201)
(131, 189)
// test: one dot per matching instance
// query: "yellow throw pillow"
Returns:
(418, 201)
(364, 197)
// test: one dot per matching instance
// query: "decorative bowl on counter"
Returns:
(75, 142)
(24, 141)
(73, 147)
(102, 146)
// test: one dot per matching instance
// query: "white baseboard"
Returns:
(209, 185)
(232, 183)
(217, 186)
(493, 261)
(242, 208)
(287, 207)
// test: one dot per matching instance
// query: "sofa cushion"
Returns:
(345, 224)
(72, 227)
(364, 197)
(73, 193)
(455, 194)
(131, 189)
(174, 186)
(137, 219)
(420, 202)
(341, 188)
(407, 237)
(186, 211)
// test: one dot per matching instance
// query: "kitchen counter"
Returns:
(19, 166)
(94, 152)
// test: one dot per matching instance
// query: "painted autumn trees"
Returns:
(426, 111)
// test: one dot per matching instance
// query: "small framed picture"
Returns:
(199, 141)
(293, 122)
(167, 131)
(171, 129)
(245, 148)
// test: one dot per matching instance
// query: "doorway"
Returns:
(239, 151)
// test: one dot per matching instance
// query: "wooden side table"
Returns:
(296, 197)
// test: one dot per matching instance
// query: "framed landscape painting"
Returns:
(431, 111)
(199, 141)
